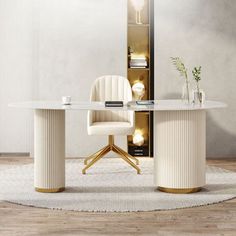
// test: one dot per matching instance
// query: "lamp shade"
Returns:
(139, 90)
(138, 4)
(138, 139)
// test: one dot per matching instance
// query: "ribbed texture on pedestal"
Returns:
(180, 149)
(49, 142)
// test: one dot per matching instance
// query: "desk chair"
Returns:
(111, 88)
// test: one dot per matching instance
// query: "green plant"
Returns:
(197, 77)
(178, 63)
(197, 74)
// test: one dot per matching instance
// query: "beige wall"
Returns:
(57, 47)
(53, 48)
(202, 32)
(79, 41)
(15, 74)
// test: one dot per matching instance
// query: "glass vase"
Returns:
(198, 96)
(186, 98)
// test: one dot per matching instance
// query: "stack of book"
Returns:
(138, 63)
(114, 104)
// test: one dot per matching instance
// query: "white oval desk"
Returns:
(179, 142)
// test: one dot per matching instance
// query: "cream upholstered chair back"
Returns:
(110, 122)
(111, 88)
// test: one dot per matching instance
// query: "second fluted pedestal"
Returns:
(179, 162)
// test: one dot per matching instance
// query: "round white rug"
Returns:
(111, 186)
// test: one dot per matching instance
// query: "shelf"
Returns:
(140, 40)
(145, 145)
(138, 68)
(144, 112)
(138, 25)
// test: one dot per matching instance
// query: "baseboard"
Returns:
(14, 154)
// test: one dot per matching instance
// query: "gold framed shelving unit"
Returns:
(140, 44)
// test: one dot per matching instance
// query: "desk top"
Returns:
(160, 105)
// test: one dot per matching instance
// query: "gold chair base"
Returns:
(179, 190)
(50, 190)
(111, 147)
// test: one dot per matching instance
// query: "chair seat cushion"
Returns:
(110, 128)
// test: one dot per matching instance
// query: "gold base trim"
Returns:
(50, 190)
(179, 190)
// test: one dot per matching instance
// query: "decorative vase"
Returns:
(186, 93)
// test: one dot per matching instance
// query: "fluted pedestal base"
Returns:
(180, 140)
(49, 150)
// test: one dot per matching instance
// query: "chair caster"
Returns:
(84, 172)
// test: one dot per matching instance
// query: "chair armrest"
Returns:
(90, 119)
(131, 118)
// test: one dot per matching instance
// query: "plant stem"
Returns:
(187, 85)
(188, 92)
(198, 90)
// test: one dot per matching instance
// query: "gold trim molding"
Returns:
(179, 190)
(50, 190)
